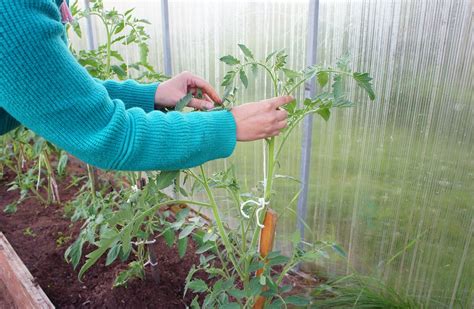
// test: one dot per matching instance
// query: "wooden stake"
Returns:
(267, 236)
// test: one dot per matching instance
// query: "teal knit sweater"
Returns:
(108, 124)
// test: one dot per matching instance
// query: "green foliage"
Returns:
(236, 284)
(356, 291)
(122, 29)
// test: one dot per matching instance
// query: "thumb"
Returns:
(201, 104)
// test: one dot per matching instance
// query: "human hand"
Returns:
(262, 119)
(171, 91)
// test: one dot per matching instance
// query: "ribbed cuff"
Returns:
(140, 95)
(221, 133)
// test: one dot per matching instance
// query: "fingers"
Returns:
(281, 115)
(201, 104)
(195, 81)
(278, 101)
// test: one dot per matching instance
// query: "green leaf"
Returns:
(182, 246)
(290, 107)
(247, 52)
(113, 253)
(230, 306)
(186, 231)
(364, 81)
(183, 102)
(143, 52)
(278, 260)
(290, 73)
(169, 236)
(323, 78)
(270, 56)
(198, 286)
(119, 71)
(10, 208)
(338, 87)
(324, 113)
(62, 162)
(120, 27)
(338, 249)
(243, 78)
(343, 62)
(297, 300)
(76, 27)
(165, 179)
(254, 287)
(239, 294)
(230, 60)
(74, 252)
(228, 78)
(204, 248)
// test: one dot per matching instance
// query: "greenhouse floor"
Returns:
(40, 236)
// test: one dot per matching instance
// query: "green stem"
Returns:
(220, 225)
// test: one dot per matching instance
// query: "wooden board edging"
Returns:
(21, 285)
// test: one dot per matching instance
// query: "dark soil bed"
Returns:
(40, 235)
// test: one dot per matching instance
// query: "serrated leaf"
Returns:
(323, 78)
(338, 87)
(198, 286)
(239, 294)
(204, 248)
(364, 81)
(270, 56)
(343, 62)
(243, 78)
(144, 50)
(290, 107)
(325, 113)
(230, 60)
(165, 179)
(278, 260)
(290, 73)
(183, 102)
(113, 254)
(338, 249)
(10, 208)
(119, 71)
(247, 52)
(62, 162)
(74, 252)
(186, 231)
(230, 306)
(228, 78)
(297, 300)
(169, 236)
(254, 287)
(182, 246)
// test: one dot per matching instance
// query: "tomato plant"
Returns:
(229, 256)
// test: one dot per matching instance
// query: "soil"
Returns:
(34, 230)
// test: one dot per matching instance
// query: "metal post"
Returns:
(90, 31)
(310, 91)
(166, 37)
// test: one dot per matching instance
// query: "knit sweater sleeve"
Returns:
(7, 122)
(44, 88)
(131, 93)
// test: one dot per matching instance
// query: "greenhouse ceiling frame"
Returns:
(310, 91)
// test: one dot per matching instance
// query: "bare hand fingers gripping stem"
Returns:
(262, 119)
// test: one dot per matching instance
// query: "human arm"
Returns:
(7, 122)
(48, 91)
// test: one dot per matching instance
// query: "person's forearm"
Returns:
(62, 103)
(131, 93)
(7, 122)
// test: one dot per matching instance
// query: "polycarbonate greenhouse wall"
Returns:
(392, 181)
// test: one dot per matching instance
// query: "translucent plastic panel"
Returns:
(393, 180)
(204, 31)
